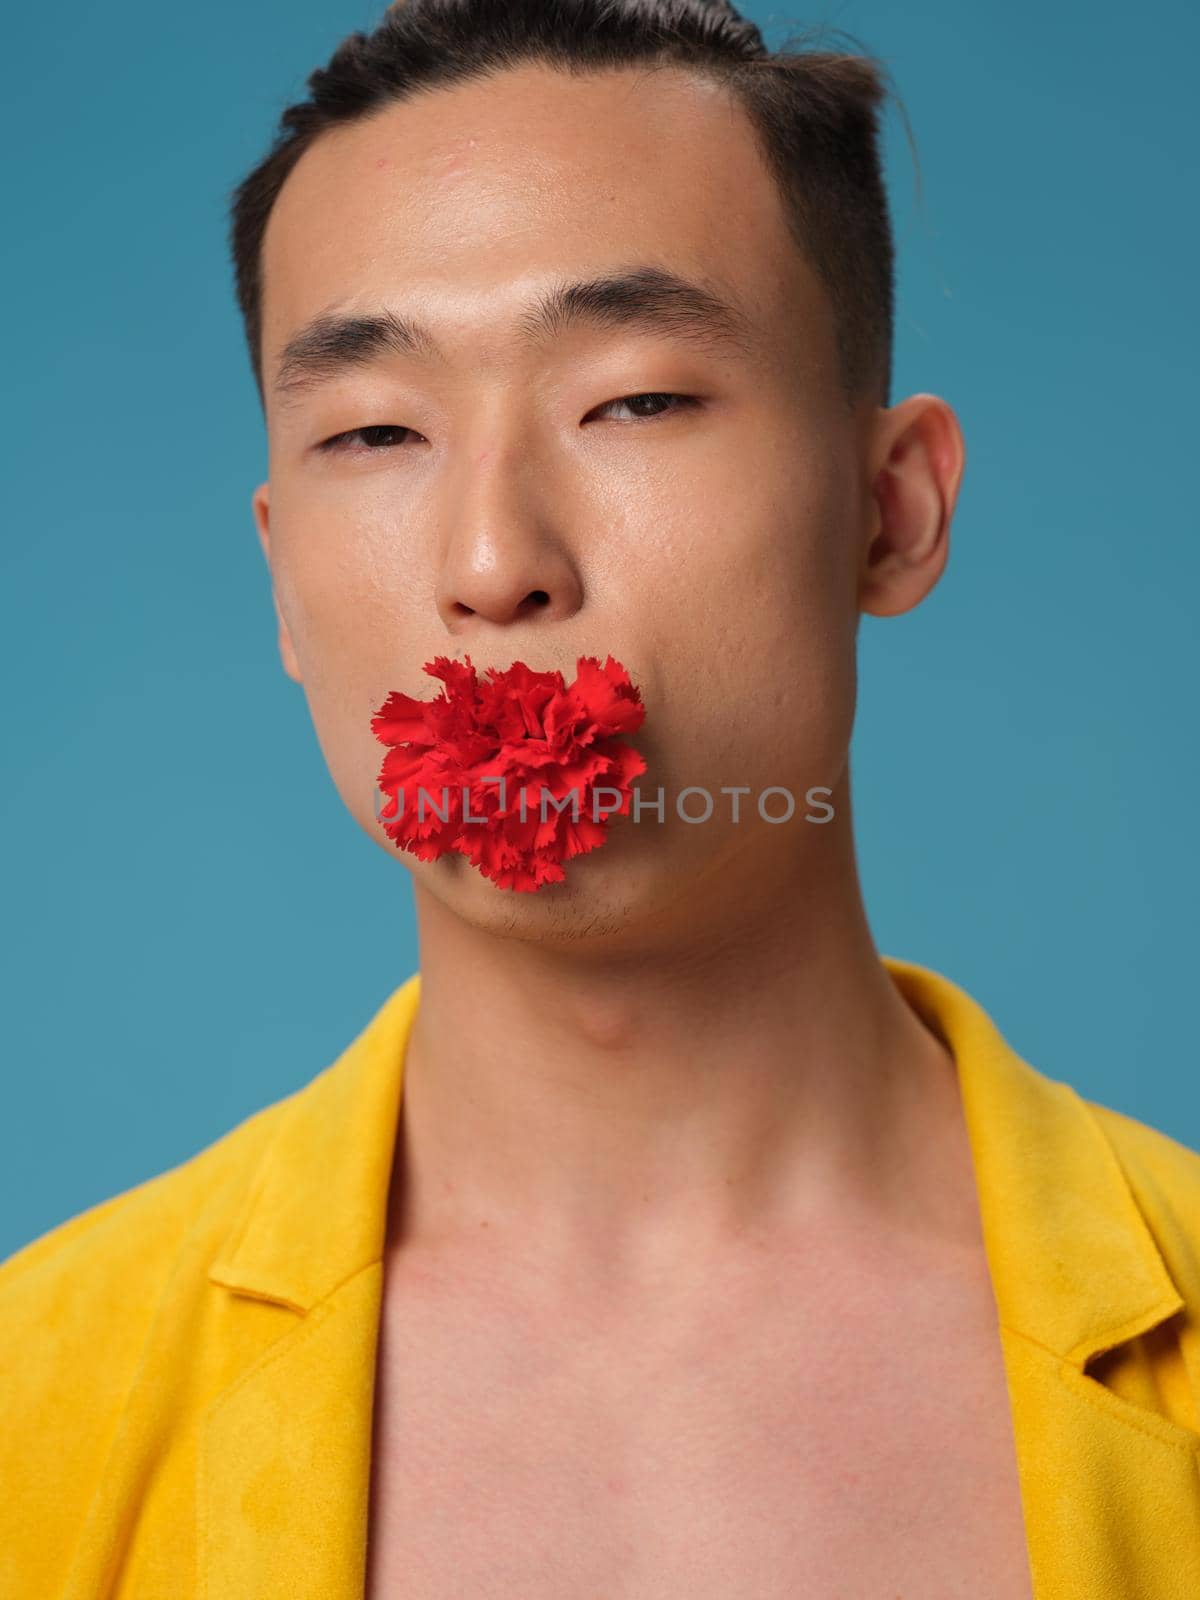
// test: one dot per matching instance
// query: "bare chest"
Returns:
(761, 1453)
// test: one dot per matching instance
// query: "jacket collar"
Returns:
(316, 1209)
(1073, 1264)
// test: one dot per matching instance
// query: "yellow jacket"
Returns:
(187, 1369)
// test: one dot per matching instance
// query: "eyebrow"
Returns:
(644, 297)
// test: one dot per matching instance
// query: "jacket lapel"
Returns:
(284, 1457)
(1111, 1490)
(285, 1460)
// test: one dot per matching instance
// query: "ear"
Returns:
(918, 458)
(287, 653)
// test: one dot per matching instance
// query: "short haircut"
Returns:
(815, 114)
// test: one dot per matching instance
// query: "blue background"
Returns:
(193, 924)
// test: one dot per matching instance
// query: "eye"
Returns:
(682, 402)
(371, 437)
(375, 437)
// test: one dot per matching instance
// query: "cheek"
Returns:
(347, 611)
(758, 637)
(348, 627)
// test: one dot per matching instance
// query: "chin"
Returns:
(611, 897)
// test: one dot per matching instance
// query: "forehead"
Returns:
(461, 203)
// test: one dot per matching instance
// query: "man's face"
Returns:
(710, 542)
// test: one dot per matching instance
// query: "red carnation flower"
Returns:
(538, 734)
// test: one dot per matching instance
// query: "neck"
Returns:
(634, 1109)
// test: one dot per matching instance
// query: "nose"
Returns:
(508, 559)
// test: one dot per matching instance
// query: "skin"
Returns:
(689, 1049)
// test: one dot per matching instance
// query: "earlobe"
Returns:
(287, 653)
(920, 457)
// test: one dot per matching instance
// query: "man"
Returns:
(659, 1237)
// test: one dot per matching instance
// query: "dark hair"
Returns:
(815, 113)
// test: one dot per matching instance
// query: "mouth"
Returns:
(535, 729)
